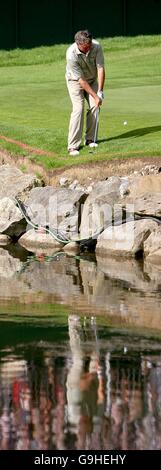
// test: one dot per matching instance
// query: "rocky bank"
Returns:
(119, 216)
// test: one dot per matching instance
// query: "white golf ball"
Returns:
(125, 123)
(93, 145)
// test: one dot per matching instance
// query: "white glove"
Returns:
(100, 95)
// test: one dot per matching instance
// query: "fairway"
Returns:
(35, 107)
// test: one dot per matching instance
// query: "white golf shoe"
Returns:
(73, 152)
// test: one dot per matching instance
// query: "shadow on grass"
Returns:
(134, 133)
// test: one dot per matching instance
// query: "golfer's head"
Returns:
(83, 40)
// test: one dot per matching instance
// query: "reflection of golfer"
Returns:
(85, 76)
(74, 395)
(85, 389)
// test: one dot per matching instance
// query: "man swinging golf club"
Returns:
(85, 76)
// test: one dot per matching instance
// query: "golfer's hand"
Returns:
(100, 94)
(98, 101)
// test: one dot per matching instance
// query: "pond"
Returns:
(80, 352)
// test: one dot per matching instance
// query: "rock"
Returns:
(148, 204)
(9, 266)
(58, 208)
(144, 195)
(4, 240)
(38, 239)
(73, 184)
(71, 248)
(126, 239)
(152, 270)
(12, 222)
(80, 188)
(124, 187)
(14, 183)
(98, 208)
(63, 181)
(147, 170)
(140, 185)
(152, 246)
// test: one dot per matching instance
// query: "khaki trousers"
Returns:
(78, 96)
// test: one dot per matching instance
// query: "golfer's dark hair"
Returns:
(83, 37)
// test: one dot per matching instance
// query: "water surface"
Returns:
(80, 352)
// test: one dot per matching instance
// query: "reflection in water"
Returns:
(84, 387)
(127, 291)
(93, 390)
(85, 391)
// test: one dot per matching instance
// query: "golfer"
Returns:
(85, 76)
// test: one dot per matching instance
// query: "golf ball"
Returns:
(93, 145)
(125, 123)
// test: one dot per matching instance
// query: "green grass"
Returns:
(35, 106)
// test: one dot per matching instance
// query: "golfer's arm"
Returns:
(85, 85)
(101, 78)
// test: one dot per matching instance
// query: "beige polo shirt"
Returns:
(81, 65)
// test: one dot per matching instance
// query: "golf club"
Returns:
(94, 143)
